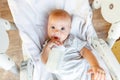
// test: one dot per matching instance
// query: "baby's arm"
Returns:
(98, 72)
(44, 55)
(46, 50)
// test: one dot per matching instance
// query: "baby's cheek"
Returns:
(51, 33)
(64, 37)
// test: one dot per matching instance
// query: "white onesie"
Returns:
(66, 62)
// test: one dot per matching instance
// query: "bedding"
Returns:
(30, 17)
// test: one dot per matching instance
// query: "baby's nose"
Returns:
(56, 30)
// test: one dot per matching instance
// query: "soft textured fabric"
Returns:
(66, 62)
(30, 17)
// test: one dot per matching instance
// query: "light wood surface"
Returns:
(5, 11)
(14, 51)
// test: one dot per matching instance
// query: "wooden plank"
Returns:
(116, 50)
(5, 11)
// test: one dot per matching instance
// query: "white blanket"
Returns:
(30, 17)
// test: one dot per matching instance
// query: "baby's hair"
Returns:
(60, 14)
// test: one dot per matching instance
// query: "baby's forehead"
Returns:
(63, 18)
(59, 22)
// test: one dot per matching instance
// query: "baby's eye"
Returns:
(52, 27)
(62, 28)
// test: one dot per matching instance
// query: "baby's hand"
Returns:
(56, 40)
(50, 45)
(46, 51)
(98, 73)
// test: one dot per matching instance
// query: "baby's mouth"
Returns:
(56, 38)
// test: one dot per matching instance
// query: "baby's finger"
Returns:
(90, 71)
(103, 76)
(96, 76)
(57, 42)
(99, 76)
(51, 45)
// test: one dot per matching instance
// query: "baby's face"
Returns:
(58, 29)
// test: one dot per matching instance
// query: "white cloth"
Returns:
(30, 17)
(54, 59)
(66, 62)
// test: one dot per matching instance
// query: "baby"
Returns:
(65, 55)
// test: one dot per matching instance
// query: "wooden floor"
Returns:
(14, 51)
